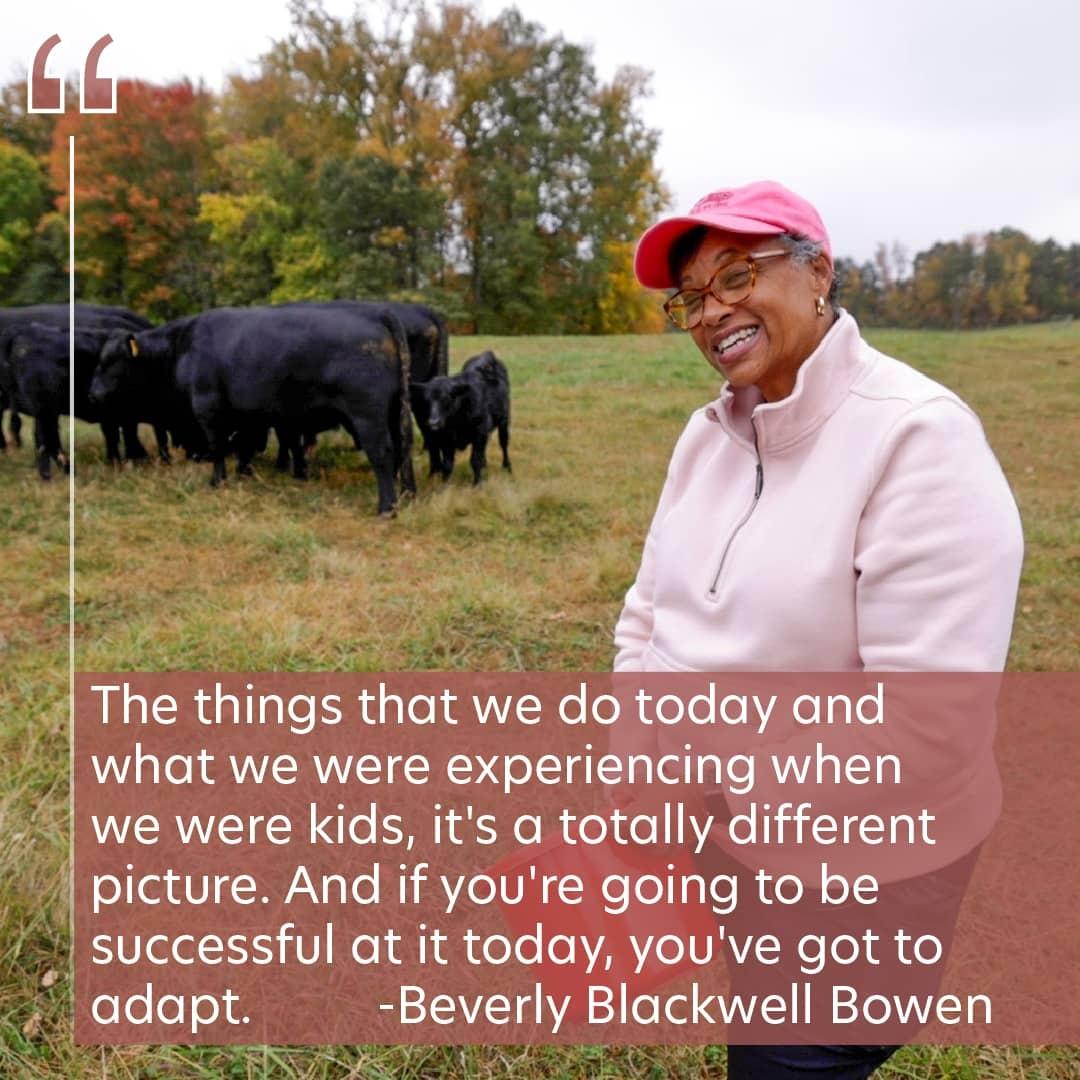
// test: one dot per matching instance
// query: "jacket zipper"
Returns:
(759, 483)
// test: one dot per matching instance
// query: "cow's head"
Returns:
(439, 399)
(116, 368)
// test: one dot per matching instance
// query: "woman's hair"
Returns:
(803, 251)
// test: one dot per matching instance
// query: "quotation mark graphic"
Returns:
(45, 93)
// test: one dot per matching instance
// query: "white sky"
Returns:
(909, 121)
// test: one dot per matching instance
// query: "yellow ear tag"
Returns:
(134, 346)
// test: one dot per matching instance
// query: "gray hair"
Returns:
(802, 248)
(803, 251)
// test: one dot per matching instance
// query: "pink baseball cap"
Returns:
(764, 208)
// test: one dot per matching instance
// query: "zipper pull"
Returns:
(760, 482)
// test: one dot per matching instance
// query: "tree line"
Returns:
(478, 165)
(983, 280)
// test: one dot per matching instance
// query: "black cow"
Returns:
(87, 316)
(464, 409)
(297, 367)
(35, 370)
(139, 370)
(428, 340)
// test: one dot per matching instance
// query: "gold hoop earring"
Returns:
(819, 306)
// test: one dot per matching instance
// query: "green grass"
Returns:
(526, 573)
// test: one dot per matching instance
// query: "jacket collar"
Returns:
(821, 384)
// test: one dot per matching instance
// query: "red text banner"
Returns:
(575, 858)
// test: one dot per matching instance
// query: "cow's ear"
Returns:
(421, 386)
(133, 345)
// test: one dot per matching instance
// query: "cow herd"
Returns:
(216, 383)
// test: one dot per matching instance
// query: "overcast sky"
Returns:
(913, 122)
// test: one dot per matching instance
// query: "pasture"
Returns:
(527, 572)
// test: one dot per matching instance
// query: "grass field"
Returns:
(526, 573)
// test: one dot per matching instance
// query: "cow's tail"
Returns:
(397, 331)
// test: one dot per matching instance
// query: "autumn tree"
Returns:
(553, 174)
(250, 218)
(1006, 277)
(416, 152)
(450, 154)
(138, 177)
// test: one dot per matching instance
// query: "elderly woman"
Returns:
(832, 510)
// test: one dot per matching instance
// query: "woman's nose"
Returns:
(714, 311)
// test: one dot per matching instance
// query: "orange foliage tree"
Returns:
(138, 176)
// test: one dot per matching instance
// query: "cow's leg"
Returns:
(298, 449)
(57, 450)
(3, 441)
(245, 451)
(47, 436)
(504, 443)
(445, 450)
(111, 430)
(380, 452)
(408, 477)
(432, 447)
(217, 455)
(217, 429)
(161, 437)
(133, 448)
(41, 448)
(192, 438)
(16, 427)
(478, 458)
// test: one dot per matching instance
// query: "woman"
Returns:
(832, 510)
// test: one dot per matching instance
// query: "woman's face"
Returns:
(780, 313)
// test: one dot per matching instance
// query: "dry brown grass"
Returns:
(526, 573)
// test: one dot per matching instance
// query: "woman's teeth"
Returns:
(735, 338)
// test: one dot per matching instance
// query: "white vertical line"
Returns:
(71, 418)
(71, 547)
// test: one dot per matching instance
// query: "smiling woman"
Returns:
(832, 510)
(768, 337)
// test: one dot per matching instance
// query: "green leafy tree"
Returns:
(378, 227)
(1006, 273)
(33, 132)
(250, 220)
(22, 202)
(478, 161)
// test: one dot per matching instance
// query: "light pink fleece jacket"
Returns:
(861, 523)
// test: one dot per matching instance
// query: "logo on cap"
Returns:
(713, 199)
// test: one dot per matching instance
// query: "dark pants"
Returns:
(805, 1062)
(934, 898)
